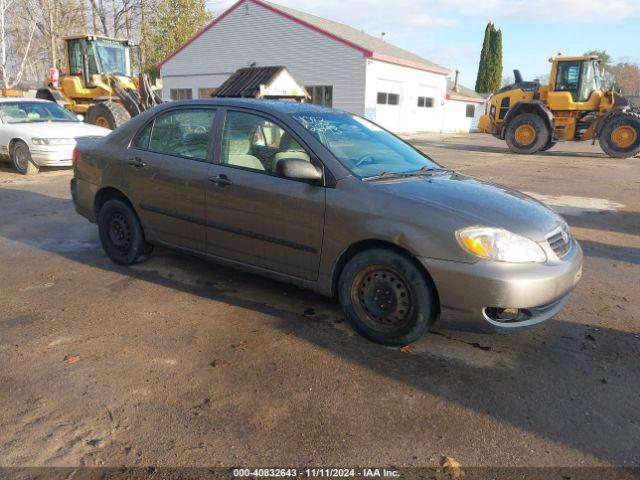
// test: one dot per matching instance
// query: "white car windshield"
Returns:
(31, 112)
(364, 148)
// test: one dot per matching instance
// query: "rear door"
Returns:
(167, 175)
(253, 215)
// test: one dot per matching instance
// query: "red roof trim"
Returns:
(364, 51)
(409, 63)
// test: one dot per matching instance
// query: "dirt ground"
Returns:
(177, 362)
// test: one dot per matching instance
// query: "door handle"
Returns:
(137, 162)
(221, 180)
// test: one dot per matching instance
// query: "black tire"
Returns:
(407, 297)
(628, 122)
(541, 135)
(121, 234)
(110, 115)
(550, 144)
(21, 158)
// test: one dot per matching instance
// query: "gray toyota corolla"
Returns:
(329, 201)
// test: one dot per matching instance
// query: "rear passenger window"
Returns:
(141, 142)
(184, 133)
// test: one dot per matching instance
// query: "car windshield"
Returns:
(31, 112)
(361, 146)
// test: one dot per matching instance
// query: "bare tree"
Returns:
(15, 43)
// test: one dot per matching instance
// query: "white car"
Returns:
(39, 133)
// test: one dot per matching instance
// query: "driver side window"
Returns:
(183, 133)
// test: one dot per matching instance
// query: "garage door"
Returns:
(388, 104)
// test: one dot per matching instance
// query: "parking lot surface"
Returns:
(177, 362)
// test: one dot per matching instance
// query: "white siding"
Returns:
(409, 83)
(252, 33)
(455, 118)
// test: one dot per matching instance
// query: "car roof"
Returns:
(267, 106)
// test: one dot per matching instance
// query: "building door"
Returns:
(426, 109)
(388, 104)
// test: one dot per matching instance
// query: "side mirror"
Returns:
(297, 169)
(80, 117)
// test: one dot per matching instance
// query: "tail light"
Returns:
(75, 155)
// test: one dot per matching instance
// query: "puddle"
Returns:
(64, 246)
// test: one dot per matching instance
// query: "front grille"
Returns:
(560, 241)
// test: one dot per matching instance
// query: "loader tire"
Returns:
(620, 135)
(550, 144)
(108, 115)
(527, 134)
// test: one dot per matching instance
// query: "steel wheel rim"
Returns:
(624, 136)
(525, 134)
(102, 122)
(120, 232)
(382, 297)
(21, 158)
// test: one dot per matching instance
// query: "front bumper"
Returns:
(58, 156)
(478, 290)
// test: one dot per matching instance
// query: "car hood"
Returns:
(61, 130)
(477, 202)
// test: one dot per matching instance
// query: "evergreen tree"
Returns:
(490, 67)
(481, 81)
(174, 22)
(494, 73)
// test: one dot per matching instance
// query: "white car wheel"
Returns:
(21, 157)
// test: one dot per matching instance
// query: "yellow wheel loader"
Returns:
(531, 117)
(97, 82)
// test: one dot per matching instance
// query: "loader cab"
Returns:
(91, 55)
(575, 83)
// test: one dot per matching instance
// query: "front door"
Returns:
(167, 173)
(253, 215)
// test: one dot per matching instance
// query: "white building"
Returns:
(463, 108)
(340, 66)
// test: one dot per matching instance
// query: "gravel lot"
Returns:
(181, 363)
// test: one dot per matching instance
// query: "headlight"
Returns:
(53, 141)
(500, 245)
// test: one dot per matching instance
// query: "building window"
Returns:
(180, 94)
(321, 95)
(206, 92)
(388, 98)
(425, 102)
(471, 111)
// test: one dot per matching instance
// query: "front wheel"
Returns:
(527, 134)
(620, 135)
(21, 158)
(387, 298)
(121, 234)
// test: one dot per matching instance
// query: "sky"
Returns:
(450, 32)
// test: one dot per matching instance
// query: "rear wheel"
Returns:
(21, 158)
(387, 298)
(121, 234)
(108, 115)
(620, 136)
(527, 134)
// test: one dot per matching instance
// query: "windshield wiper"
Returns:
(422, 171)
(384, 175)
